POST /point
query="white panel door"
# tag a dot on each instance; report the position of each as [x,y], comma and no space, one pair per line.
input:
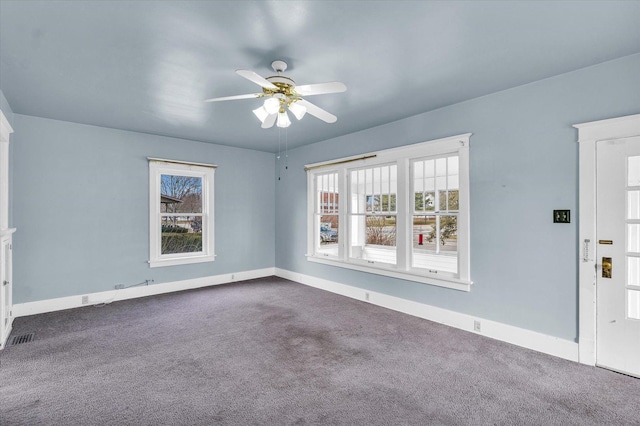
[618,255]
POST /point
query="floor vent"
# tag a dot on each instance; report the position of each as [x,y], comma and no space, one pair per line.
[23,338]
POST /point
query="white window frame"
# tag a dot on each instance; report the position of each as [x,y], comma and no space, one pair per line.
[402,156]
[349,215]
[317,213]
[159,167]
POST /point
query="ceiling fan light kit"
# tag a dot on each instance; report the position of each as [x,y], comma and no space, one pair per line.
[261,113]
[271,105]
[298,110]
[283,119]
[282,94]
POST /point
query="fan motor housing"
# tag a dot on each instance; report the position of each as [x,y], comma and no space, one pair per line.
[285,85]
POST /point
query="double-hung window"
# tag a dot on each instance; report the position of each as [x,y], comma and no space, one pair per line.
[435,209]
[181,212]
[326,218]
[372,214]
[403,212]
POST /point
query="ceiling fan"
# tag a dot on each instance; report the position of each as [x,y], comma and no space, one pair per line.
[283,95]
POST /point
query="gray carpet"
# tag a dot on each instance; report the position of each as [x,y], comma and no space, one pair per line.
[272,352]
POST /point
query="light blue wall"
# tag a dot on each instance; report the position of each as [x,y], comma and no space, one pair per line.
[82,204]
[524,164]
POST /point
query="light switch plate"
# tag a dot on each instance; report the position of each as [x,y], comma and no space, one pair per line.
[562,216]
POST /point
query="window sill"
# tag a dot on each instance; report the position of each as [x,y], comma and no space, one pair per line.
[180,261]
[452,283]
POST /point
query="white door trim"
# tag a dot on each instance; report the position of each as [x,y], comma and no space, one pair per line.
[588,135]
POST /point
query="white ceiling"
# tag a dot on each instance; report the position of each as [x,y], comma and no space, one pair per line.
[146,66]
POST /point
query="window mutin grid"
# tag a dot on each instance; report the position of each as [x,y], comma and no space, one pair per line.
[365,193]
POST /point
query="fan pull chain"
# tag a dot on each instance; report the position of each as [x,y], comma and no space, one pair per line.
[279,151]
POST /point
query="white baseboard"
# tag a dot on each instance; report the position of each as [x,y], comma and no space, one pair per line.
[58,304]
[507,333]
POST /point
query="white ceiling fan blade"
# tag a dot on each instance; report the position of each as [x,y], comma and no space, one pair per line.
[321,88]
[318,112]
[269,121]
[231,98]
[252,76]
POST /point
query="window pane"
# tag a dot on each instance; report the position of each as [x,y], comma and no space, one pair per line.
[633,238]
[633,201]
[452,173]
[423,185]
[452,165]
[385,188]
[328,234]
[374,189]
[429,169]
[181,234]
[633,277]
[327,193]
[418,176]
[633,297]
[418,201]
[443,200]
[329,229]
[449,233]
[372,202]
[381,230]
[435,243]
[441,179]
[377,188]
[453,199]
[429,201]
[634,171]
[424,232]
[354,192]
[180,194]
[393,187]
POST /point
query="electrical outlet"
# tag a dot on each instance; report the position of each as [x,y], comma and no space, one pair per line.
[366,296]
[119,286]
[476,326]
[85,300]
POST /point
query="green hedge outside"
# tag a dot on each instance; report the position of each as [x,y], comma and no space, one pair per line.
[181,242]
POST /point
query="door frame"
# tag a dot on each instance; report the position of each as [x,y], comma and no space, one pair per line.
[5,231]
[588,135]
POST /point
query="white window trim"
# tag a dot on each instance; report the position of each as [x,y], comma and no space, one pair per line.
[402,156]
[5,135]
[158,167]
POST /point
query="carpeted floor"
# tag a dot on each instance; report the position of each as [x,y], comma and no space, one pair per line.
[272,352]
